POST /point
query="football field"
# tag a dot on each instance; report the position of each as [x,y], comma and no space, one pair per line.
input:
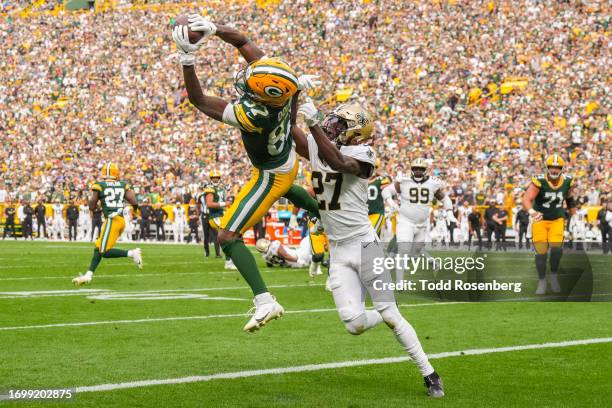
[171,335]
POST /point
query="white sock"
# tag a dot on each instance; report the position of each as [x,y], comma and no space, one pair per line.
[131,253]
[406,335]
[264,298]
[89,274]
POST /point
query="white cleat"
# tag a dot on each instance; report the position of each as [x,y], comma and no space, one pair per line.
[264,312]
[315,269]
[327,285]
[137,257]
[229,265]
[554,283]
[541,287]
[82,280]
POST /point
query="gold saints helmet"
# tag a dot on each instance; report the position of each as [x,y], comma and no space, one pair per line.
[418,169]
[262,245]
[110,170]
[269,81]
[554,166]
[348,124]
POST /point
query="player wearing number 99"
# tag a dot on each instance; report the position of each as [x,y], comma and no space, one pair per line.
[417,193]
[262,114]
[342,163]
[111,192]
[543,200]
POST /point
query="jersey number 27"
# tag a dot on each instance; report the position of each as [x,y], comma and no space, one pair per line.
[113,197]
[319,188]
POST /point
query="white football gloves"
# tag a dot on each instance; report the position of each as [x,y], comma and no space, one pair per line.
[306,82]
[312,116]
[202,24]
[536,215]
[180,35]
[392,206]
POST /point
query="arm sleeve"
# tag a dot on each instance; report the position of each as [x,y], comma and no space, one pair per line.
[229,116]
[389,192]
[237,116]
[313,152]
[447,203]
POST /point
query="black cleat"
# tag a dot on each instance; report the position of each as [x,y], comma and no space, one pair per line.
[433,382]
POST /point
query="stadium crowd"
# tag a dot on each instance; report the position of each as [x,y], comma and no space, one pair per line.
[483,90]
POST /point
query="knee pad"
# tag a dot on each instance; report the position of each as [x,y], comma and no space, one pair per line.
[354,323]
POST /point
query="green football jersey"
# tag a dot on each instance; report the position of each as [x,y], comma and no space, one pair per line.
[549,200]
[266,133]
[219,194]
[112,195]
[376,205]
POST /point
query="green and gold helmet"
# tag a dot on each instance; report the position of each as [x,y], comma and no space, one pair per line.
[269,81]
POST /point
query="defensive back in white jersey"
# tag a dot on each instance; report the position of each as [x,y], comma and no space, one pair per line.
[342,197]
[417,197]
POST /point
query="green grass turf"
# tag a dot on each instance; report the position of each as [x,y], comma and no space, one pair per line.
[90,355]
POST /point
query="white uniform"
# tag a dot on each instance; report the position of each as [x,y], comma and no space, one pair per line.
[353,244]
[578,225]
[464,228]
[179,223]
[129,227]
[58,224]
[84,222]
[440,231]
[416,202]
[302,253]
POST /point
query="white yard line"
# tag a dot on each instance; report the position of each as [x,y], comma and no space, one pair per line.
[138,275]
[326,366]
[175,318]
[87,292]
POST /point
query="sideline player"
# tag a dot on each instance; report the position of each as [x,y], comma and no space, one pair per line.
[215,196]
[262,115]
[543,200]
[110,192]
[340,175]
[376,204]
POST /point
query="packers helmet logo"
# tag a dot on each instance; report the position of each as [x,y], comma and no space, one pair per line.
[273,91]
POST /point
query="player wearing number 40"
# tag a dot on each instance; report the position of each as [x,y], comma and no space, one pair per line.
[543,200]
[111,192]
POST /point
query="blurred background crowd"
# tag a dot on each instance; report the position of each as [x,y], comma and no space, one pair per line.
[482,89]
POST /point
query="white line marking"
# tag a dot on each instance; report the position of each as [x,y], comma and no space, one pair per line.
[175,318]
[85,292]
[158,296]
[326,366]
[129,275]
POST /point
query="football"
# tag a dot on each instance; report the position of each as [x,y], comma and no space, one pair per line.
[194,36]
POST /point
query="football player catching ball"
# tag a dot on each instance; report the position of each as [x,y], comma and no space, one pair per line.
[262,114]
